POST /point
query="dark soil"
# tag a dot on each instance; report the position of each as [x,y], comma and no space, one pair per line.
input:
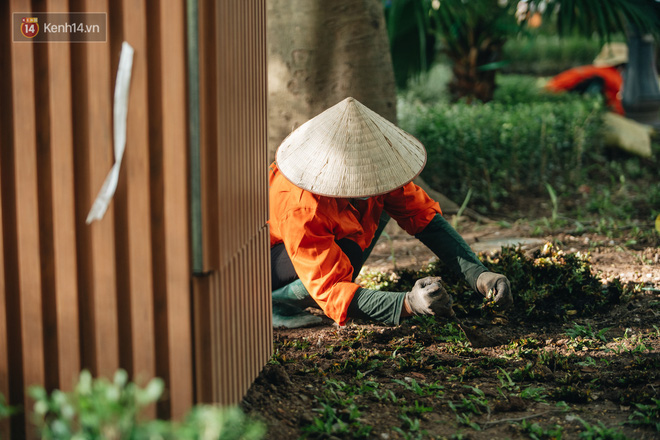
[423,379]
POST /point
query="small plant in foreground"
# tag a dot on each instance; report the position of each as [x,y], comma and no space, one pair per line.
[600,432]
[418,408]
[332,421]
[97,408]
[5,410]
[102,409]
[412,429]
[586,332]
[475,403]
[464,419]
[534,393]
[646,415]
[537,432]
[422,389]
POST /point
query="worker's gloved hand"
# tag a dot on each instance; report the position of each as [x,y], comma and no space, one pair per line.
[495,287]
[429,297]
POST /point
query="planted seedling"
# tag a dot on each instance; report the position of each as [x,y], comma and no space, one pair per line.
[646,415]
[412,428]
[536,431]
[600,431]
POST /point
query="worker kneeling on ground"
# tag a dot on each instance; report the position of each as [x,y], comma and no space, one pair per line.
[335,183]
[603,77]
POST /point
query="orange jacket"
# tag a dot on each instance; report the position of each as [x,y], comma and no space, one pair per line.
[309,224]
[611,76]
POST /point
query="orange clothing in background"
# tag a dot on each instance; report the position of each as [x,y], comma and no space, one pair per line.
[309,224]
[611,76]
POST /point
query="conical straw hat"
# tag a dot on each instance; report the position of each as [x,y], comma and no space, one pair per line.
[612,54]
[350,151]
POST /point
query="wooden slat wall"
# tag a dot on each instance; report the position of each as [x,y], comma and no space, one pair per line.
[117,293]
[232,300]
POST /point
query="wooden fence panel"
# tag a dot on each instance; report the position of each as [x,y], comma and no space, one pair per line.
[234,179]
[57,274]
[117,293]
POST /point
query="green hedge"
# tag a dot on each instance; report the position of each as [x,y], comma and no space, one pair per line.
[549,54]
[504,147]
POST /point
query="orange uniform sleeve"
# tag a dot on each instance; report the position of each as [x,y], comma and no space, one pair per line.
[411,207]
[613,81]
[568,79]
[322,266]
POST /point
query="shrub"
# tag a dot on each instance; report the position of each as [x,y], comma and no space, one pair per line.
[504,147]
[103,409]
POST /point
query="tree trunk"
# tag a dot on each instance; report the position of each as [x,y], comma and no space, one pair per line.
[320,52]
[470,82]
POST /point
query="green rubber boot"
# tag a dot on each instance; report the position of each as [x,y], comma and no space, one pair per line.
[289,304]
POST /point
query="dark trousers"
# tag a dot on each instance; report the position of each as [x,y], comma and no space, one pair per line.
[283,273]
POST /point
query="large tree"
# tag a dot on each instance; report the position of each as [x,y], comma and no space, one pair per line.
[320,52]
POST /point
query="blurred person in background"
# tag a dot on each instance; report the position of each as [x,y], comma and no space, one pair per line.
[604,76]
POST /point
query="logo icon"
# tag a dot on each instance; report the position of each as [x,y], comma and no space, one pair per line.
[30,27]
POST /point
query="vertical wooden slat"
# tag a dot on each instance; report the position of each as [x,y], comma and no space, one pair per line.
[215,347]
[268,335]
[254,317]
[27,263]
[227,321]
[222,340]
[133,200]
[241,283]
[267,330]
[203,292]
[175,205]
[239,175]
[208,131]
[225,244]
[96,244]
[6,246]
[4,352]
[60,220]
[247,191]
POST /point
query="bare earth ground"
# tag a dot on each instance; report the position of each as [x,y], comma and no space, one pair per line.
[371,381]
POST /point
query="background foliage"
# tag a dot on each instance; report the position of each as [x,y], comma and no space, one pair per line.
[515,143]
[527,147]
